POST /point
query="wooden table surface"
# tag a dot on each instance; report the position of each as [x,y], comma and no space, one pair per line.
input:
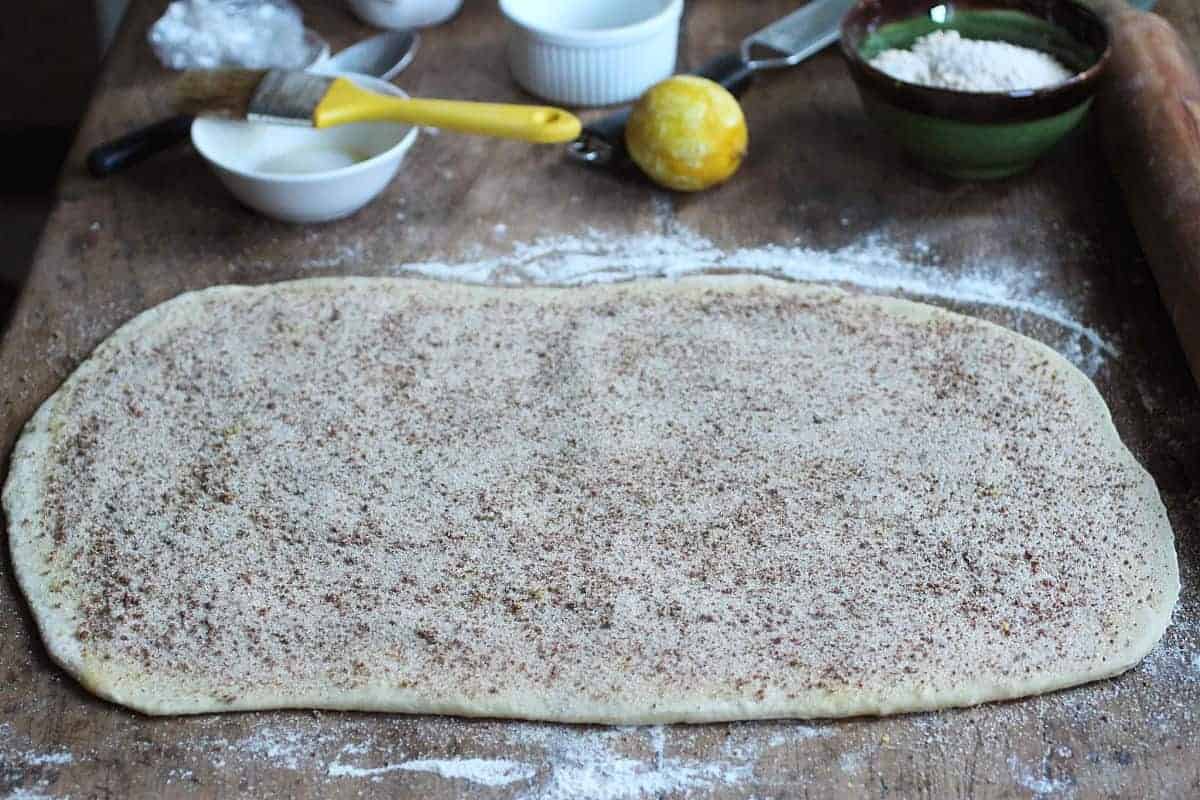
[818,176]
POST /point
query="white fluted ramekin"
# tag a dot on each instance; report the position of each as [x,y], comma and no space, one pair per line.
[592,52]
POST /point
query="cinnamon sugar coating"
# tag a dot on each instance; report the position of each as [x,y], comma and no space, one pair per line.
[718,498]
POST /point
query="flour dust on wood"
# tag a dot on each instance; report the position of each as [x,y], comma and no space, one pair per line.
[1015,289]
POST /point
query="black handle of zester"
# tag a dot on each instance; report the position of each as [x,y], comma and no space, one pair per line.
[602,143]
[728,70]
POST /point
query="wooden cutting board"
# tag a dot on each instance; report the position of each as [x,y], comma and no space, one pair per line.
[819,177]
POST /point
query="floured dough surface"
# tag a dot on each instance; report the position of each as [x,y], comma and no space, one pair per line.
[720,498]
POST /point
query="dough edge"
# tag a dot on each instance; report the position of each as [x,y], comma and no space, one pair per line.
[130,687]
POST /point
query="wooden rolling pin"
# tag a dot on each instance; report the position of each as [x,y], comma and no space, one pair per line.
[1149,113]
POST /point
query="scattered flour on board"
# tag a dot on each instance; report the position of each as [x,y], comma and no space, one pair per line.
[283,746]
[543,761]
[850,761]
[17,749]
[615,763]
[342,256]
[482,771]
[587,765]
[1042,785]
[47,759]
[1173,657]
[29,794]
[17,754]
[874,264]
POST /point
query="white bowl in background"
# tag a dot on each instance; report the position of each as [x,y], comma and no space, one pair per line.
[399,14]
[592,52]
[298,174]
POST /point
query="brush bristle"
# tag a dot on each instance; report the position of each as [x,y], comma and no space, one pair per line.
[220,92]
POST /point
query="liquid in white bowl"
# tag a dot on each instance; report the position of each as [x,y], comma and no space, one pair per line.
[309,160]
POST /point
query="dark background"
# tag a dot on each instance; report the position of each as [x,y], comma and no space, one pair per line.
[50,53]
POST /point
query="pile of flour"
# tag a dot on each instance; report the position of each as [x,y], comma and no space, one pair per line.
[945,60]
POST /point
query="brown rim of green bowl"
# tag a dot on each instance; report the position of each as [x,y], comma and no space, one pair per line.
[1083,24]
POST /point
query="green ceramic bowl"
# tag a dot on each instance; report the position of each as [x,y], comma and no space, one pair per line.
[976,134]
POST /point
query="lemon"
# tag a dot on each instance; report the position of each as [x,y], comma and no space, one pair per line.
[687,133]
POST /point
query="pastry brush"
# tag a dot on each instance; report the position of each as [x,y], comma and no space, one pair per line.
[302,98]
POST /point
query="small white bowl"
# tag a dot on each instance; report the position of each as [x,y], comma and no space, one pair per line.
[298,174]
[592,52]
[399,14]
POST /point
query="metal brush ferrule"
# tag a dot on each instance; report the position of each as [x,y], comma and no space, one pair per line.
[286,97]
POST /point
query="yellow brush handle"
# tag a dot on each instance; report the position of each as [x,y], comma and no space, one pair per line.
[346,102]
